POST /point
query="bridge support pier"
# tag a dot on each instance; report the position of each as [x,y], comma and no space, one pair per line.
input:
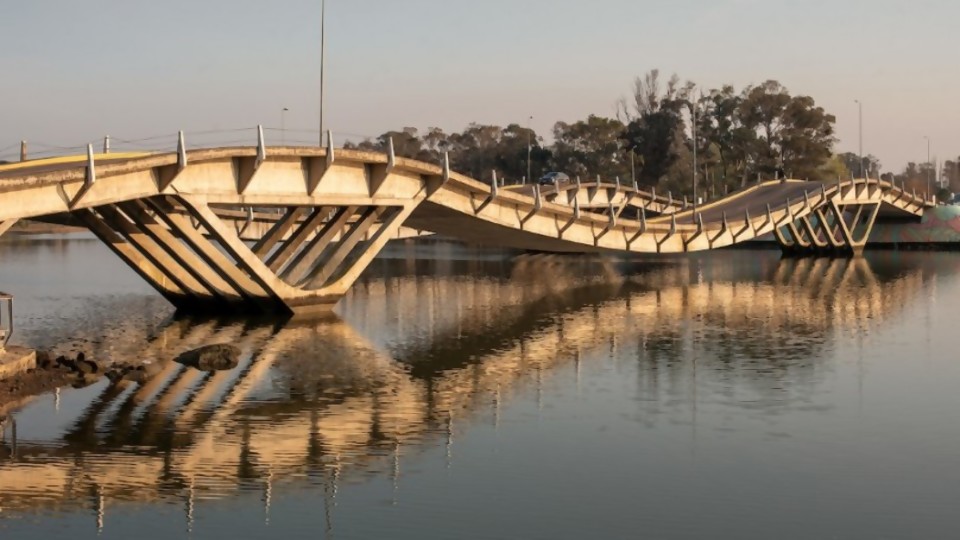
[148,259]
[835,229]
[306,262]
[319,261]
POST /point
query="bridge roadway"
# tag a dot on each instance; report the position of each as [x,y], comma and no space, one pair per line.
[165,215]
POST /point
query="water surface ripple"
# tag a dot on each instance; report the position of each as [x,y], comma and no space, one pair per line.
[477,394]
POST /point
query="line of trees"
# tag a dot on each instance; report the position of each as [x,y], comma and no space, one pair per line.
[761,131]
[914,176]
[918,176]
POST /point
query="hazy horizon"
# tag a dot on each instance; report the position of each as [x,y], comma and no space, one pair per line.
[78,71]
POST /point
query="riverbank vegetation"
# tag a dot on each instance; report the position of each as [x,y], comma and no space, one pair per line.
[739,135]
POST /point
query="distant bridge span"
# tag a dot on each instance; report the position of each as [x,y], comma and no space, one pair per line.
[166,216]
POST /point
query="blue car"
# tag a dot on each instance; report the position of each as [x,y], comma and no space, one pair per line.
[553,178]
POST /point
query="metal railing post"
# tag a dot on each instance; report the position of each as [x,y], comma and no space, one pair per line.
[6,327]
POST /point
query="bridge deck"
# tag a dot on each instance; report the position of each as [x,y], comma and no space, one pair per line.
[753,200]
[168,216]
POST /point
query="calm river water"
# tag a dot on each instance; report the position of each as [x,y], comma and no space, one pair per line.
[464,393]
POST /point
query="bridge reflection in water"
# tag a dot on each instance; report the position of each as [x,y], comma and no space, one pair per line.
[319,404]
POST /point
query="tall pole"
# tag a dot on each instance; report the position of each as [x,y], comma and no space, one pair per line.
[860,119]
[929,183]
[283,126]
[323,59]
[529,150]
[695,104]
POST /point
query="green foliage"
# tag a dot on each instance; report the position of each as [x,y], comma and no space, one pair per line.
[591,147]
[653,138]
[837,167]
[762,131]
[951,174]
[921,178]
[851,161]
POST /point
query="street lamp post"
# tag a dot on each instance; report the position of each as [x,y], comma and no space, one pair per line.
[929,183]
[860,121]
[694,131]
[323,59]
[283,126]
[529,151]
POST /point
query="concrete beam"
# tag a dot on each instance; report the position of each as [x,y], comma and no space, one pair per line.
[329,264]
[309,256]
[276,233]
[390,224]
[138,211]
[257,272]
[146,269]
[113,218]
[256,293]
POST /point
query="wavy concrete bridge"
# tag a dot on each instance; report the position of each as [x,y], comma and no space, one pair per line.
[167,215]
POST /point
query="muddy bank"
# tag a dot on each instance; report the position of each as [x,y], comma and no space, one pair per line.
[80,371]
[50,374]
[15,391]
[62,371]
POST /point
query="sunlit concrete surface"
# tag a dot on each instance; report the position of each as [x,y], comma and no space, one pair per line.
[168,216]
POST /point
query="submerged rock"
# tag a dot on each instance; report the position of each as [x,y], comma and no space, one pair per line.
[44,360]
[218,357]
[83,381]
[139,373]
[88,366]
[68,364]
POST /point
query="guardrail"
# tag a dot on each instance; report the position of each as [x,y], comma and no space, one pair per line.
[6,322]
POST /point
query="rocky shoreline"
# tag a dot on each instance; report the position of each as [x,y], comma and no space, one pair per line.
[79,372]
[50,374]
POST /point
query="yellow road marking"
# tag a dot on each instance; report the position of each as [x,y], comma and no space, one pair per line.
[69,159]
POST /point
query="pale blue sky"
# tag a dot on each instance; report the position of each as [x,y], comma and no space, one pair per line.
[75,70]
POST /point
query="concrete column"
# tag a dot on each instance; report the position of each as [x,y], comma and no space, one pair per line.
[786,244]
[182,254]
[309,256]
[817,239]
[256,272]
[5,225]
[329,265]
[174,271]
[279,231]
[229,271]
[829,230]
[390,224]
[145,268]
[855,243]
[296,240]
